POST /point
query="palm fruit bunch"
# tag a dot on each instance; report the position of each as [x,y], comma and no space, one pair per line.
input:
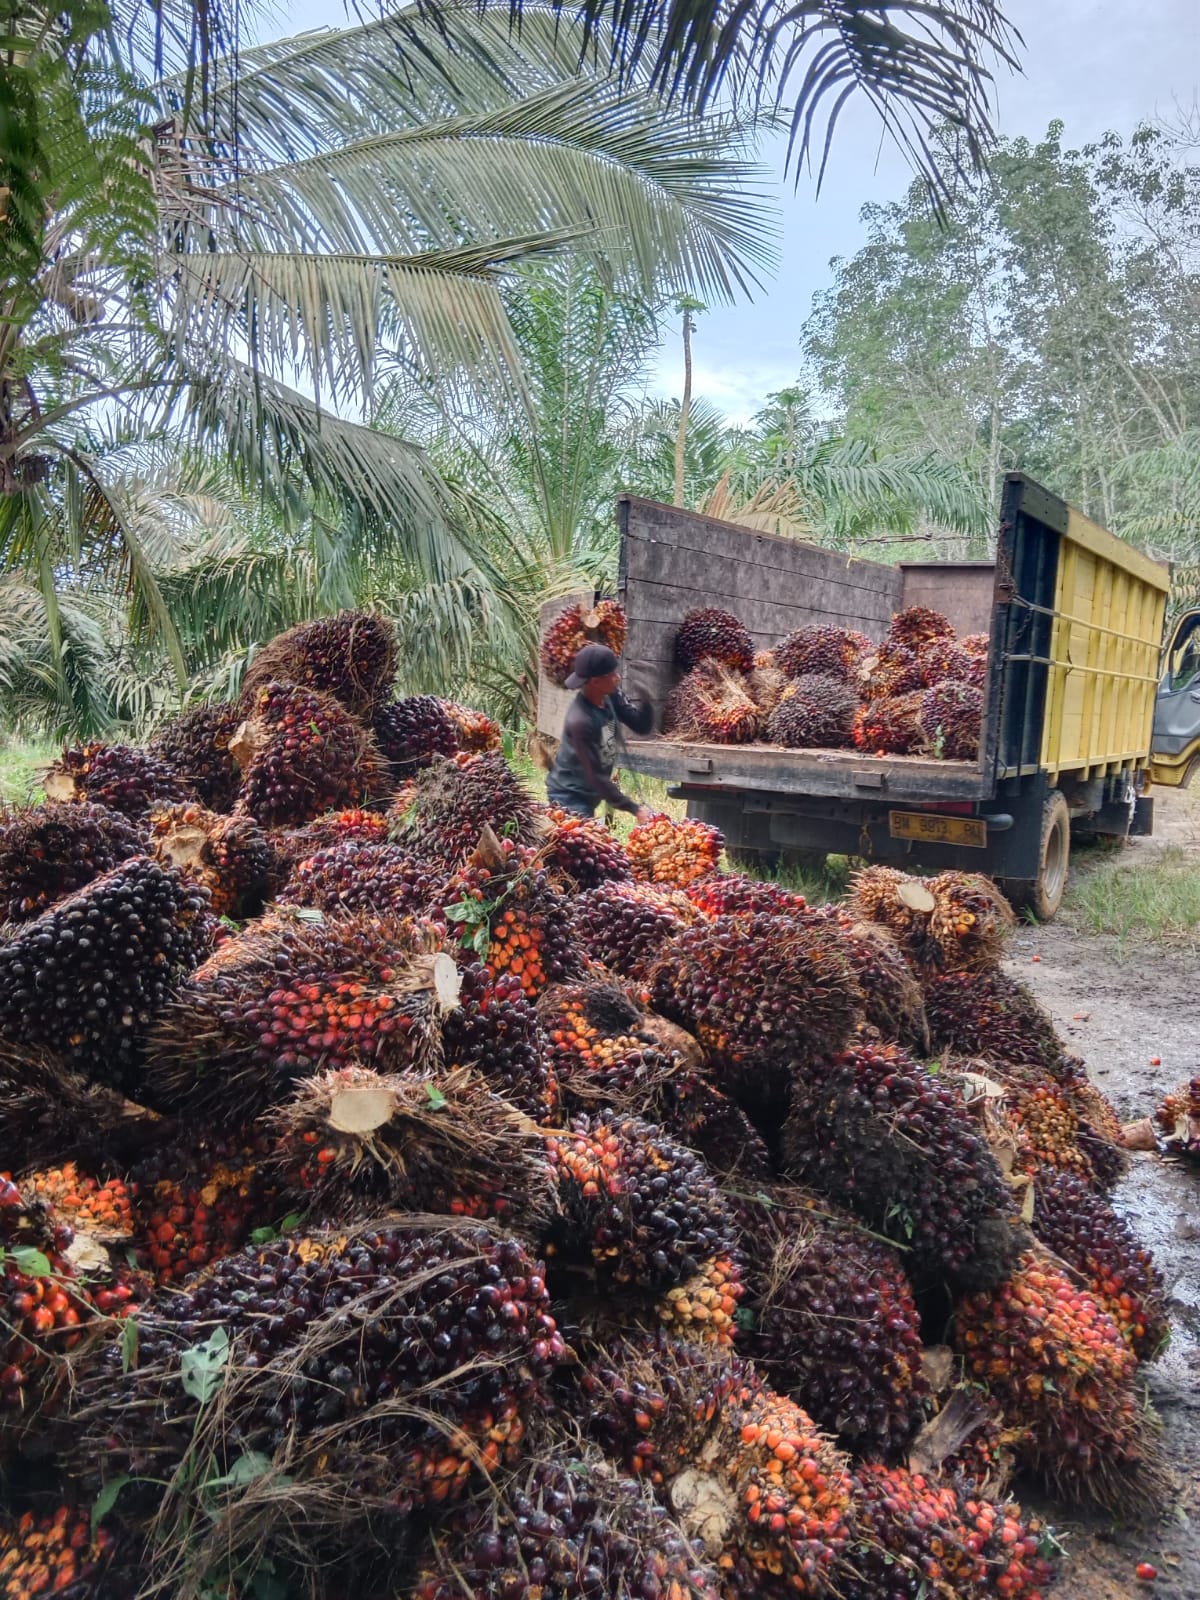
[1063,1123]
[674,853]
[359,1142]
[889,672]
[603,623]
[1060,1370]
[875,1131]
[592,1030]
[707,633]
[900,903]
[293,845]
[643,1210]
[304,754]
[196,746]
[506,910]
[763,994]
[97,1206]
[453,801]
[351,656]
[411,732]
[976,644]
[1083,1229]
[917,626]
[816,711]
[494,1028]
[765,683]
[944,660]
[625,925]
[892,1000]
[477,733]
[120,777]
[733,893]
[229,856]
[889,726]
[830,1320]
[326,1333]
[951,717]
[51,850]
[915,1537]
[712,704]
[1178,1120]
[50,1114]
[87,978]
[992,1017]
[360,876]
[193,1200]
[969,922]
[580,853]
[564,1529]
[55,1552]
[823,651]
[287,998]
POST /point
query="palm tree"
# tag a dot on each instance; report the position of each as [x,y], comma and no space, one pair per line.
[240,278]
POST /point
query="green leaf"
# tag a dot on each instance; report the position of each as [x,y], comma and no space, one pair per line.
[292,1220]
[33,1263]
[481,940]
[246,1469]
[469,911]
[437,1100]
[200,1368]
[129,1344]
[263,1235]
[745,1318]
[107,1499]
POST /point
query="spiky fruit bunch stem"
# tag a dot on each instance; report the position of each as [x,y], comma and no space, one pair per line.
[51,850]
[360,876]
[831,652]
[303,753]
[951,716]
[712,704]
[87,978]
[674,854]
[452,802]
[875,1131]
[624,926]
[889,725]
[580,853]
[196,746]
[708,633]
[230,857]
[120,777]
[411,732]
[814,712]
[577,625]
[351,656]
[918,626]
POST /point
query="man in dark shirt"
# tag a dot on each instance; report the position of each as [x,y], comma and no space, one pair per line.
[582,772]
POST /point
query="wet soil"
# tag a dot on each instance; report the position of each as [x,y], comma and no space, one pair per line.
[1118,1008]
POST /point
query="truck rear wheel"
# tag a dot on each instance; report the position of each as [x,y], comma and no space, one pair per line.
[1044,894]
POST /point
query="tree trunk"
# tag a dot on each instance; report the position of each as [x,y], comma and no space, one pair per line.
[685,406]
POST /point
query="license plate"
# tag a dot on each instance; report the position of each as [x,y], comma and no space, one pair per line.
[938,829]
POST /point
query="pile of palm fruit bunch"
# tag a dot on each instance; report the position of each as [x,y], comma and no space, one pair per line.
[918,691]
[410,1188]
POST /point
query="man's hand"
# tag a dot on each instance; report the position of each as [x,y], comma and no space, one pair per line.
[644,814]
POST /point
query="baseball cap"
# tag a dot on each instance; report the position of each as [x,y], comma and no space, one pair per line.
[593,661]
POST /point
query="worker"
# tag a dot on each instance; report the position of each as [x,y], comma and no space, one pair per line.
[582,772]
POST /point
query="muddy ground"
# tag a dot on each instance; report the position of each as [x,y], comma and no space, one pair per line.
[1119,1008]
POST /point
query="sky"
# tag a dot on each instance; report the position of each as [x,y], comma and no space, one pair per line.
[1095,64]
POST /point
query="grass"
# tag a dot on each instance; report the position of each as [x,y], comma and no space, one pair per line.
[20,764]
[1155,899]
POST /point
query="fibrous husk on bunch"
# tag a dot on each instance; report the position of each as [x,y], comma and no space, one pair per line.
[625,925]
[121,777]
[357,1142]
[827,651]
[604,623]
[917,626]
[350,656]
[970,921]
[708,633]
[302,753]
[765,683]
[196,745]
[579,852]
[889,725]
[712,704]
[452,802]
[51,850]
[951,715]
[815,711]
[674,854]
[411,732]
[229,856]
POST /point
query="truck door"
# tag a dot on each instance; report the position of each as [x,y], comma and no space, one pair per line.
[1175,743]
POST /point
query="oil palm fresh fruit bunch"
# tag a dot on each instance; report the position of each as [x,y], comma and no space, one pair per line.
[831,652]
[915,1537]
[815,711]
[477,732]
[350,656]
[1080,1226]
[892,1000]
[101,1207]
[733,893]
[1177,1119]
[504,908]
[579,852]
[564,1526]
[1061,1122]
[970,920]
[411,732]
[708,633]
[230,857]
[917,626]
[64,1551]
[452,802]
[195,744]
[287,998]
[830,1320]
[943,660]
[992,1017]
[603,623]
[51,850]
[351,824]
[765,683]
[120,777]
[712,704]
[494,1029]
[51,1114]
[674,854]
[87,978]
[951,717]
[900,903]
[362,876]
[1060,1370]
[889,725]
[359,1143]
[302,754]
[888,672]
[625,925]
[875,1131]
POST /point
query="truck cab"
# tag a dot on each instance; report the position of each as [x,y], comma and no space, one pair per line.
[1175,741]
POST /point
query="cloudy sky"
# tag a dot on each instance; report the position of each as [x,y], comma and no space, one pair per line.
[1096,64]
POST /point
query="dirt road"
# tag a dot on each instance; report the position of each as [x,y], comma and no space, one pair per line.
[1118,1010]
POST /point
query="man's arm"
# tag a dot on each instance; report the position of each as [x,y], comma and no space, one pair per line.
[586,745]
[639,718]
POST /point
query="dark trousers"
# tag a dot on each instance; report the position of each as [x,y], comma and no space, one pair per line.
[577,804]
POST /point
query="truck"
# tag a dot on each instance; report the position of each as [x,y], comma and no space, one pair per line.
[1083,709]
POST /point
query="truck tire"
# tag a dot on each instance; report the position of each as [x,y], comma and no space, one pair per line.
[1043,895]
